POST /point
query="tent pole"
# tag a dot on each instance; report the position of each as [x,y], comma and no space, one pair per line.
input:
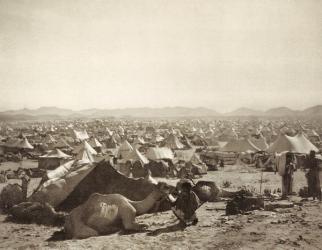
[261,181]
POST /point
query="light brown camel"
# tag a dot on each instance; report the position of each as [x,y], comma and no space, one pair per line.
[103,214]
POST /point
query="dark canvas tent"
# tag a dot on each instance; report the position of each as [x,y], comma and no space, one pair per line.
[66,191]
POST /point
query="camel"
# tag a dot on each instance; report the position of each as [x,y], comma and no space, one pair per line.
[107,213]
[13,194]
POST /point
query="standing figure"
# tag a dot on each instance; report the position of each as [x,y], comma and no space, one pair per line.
[25,179]
[313,178]
[287,178]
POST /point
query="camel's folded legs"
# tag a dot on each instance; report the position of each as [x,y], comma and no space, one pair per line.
[75,227]
[130,224]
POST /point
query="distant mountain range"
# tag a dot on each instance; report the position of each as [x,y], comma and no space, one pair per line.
[52,113]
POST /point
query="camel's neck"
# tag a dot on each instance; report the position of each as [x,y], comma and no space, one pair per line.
[145,205]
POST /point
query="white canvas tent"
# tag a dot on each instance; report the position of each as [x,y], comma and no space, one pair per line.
[295,144]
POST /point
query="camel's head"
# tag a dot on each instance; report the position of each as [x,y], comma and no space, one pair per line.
[149,179]
[163,189]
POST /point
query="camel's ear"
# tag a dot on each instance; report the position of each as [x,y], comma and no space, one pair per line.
[148,173]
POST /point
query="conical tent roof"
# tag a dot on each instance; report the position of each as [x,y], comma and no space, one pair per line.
[124,150]
[296,144]
[25,144]
[259,143]
[159,153]
[85,145]
[56,153]
[185,155]
[49,139]
[305,143]
[173,142]
[61,143]
[242,145]
[84,156]
[136,155]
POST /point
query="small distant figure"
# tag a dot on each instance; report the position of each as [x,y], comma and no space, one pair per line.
[287,178]
[186,205]
[25,179]
[221,163]
[313,178]
[3,177]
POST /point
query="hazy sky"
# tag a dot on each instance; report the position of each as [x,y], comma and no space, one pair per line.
[221,54]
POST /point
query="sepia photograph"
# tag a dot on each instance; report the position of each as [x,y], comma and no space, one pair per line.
[161,124]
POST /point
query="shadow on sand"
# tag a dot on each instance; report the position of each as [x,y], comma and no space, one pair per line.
[57,236]
[60,235]
[172,228]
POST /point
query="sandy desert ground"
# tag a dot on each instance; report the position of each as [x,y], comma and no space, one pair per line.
[290,228]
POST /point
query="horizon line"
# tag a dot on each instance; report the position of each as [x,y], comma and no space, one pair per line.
[160,107]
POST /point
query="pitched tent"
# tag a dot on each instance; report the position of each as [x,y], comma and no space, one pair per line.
[297,144]
[306,143]
[259,143]
[135,155]
[159,153]
[53,159]
[188,156]
[56,153]
[241,145]
[95,144]
[80,135]
[18,144]
[198,140]
[61,143]
[111,142]
[49,139]
[72,186]
[172,142]
[84,156]
[24,144]
[124,150]
[85,146]
[187,142]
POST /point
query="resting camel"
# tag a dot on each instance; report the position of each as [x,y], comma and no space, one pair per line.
[13,194]
[103,214]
